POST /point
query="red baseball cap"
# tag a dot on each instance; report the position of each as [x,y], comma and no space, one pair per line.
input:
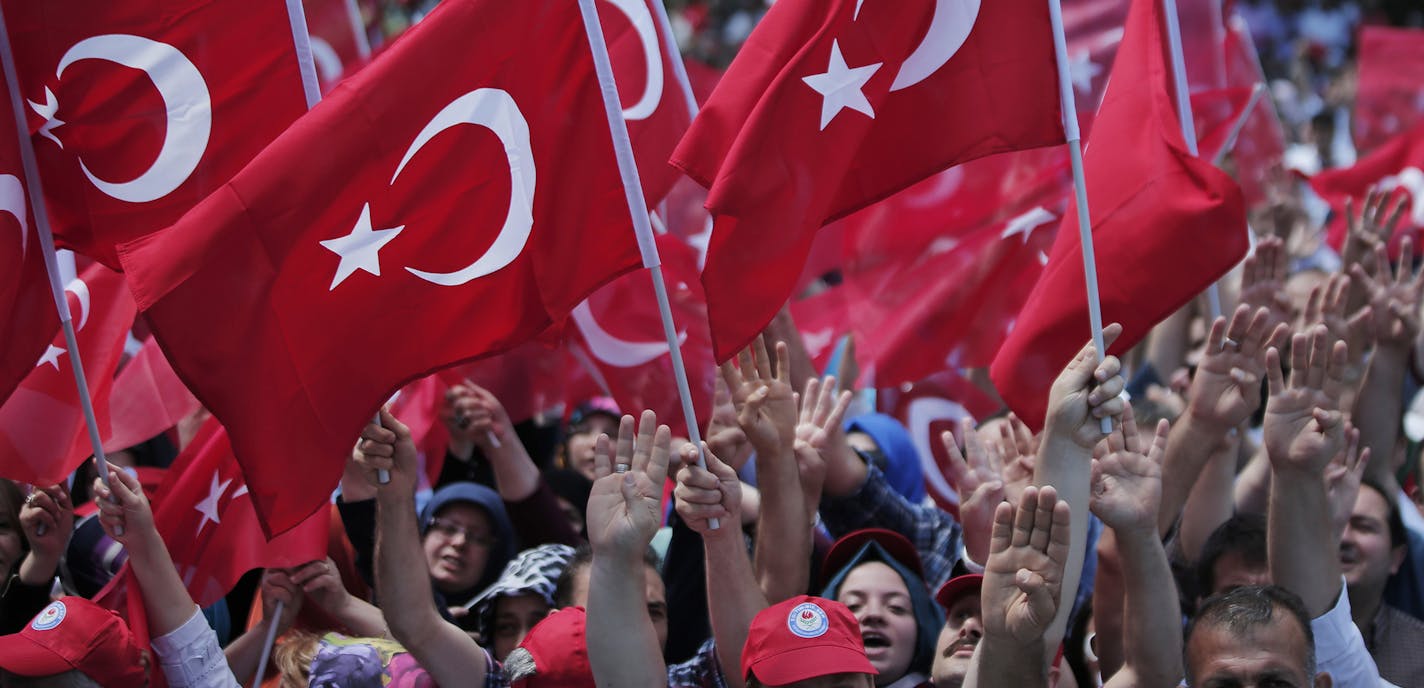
[957,587]
[804,637]
[894,544]
[559,647]
[73,633]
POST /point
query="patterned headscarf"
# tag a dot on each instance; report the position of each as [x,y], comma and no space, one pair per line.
[533,571]
[365,663]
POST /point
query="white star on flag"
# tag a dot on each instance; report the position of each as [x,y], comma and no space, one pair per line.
[47,110]
[51,356]
[816,342]
[1083,71]
[1412,180]
[1024,224]
[359,249]
[209,506]
[840,86]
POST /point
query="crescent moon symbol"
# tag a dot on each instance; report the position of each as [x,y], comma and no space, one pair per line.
[81,292]
[918,415]
[186,102]
[642,18]
[328,63]
[495,110]
[12,200]
[616,352]
[949,28]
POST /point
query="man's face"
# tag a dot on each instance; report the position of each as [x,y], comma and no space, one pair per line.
[584,439]
[1231,571]
[654,591]
[1271,656]
[457,546]
[1366,557]
[878,598]
[963,627]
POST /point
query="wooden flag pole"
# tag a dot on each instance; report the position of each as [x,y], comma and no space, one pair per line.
[638,209]
[35,191]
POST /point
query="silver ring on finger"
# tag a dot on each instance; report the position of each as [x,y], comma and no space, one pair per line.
[1229,344]
[620,468]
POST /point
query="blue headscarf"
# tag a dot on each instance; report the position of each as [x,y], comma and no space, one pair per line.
[902,461]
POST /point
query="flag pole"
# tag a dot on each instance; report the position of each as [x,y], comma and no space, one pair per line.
[267,643]
[35,191]
[638,209]
[1069,105]
[679,69]
[1235,132]
[1184,113]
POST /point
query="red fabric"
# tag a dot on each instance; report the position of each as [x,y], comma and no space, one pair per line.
[620,332]
[27,312]
[148,399]
[823,320]
[320,348]
[1396,165]
[653,101]
[930,407]
[1256,158]
[1216,112]
[1390,97]
[1165,225]
[780,159]
[115,121]
[42,432]
[338,40]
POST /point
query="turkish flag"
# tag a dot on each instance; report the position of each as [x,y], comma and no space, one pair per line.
[1165,226]
[1390,96]
[439,206]
[823,320]
[930,407]
[42,432]
[1397,164]
[1256,158]
[619,332]
[140,109]
[653,102]
[205,515]
[27,312]
[338,40]
[147,399]
[830,107]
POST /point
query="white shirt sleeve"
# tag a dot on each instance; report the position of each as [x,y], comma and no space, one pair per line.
[191,658]
[1340,649]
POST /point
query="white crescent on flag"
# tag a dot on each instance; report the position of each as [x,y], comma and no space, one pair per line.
[918,416]
[949,28]
[186,101]
[619,353]
[12,200]
[642,18]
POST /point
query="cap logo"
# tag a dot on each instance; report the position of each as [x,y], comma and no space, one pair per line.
[49,618]
[808,620]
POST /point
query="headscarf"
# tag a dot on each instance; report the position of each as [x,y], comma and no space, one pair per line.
[489,501]
[902,461]
[928,617]
[535,571]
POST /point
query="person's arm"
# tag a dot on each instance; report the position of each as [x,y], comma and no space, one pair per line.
[402,583]
[515,475]
[733,596]
[1210,502]
[187,649]
[1023,585]
[1127,486]
[1366,231]
[1084,393]
[1224,393]
[766,410]
[47,518]
[245,653]
[1394,300]
[624,511]
[320,583]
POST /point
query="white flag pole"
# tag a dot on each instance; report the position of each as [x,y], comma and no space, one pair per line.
[267,643]
[679,69]
[358,29]
[1184,112]
[35,191]
[1069,105]
[638,209]
[1230,143]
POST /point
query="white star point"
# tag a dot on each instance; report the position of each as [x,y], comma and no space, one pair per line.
[47,110]
[360,249]
[841,86]
[1083,70]
[209,506]
[51,356]
[1023,225]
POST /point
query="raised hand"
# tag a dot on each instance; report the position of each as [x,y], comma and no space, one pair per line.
[624,508]
[1343,477]
[321,583]
[1024,573]
[703,494]
[1127,481]
[1371,227]
[724,435]
[976,476]
[819,435]
[387,447]
[124,512]
[765,400]
[277,586]
[1394,297]
[1017,455]
[1263,280]
[1326,306]
[1086,392]
[1227,387]
[457,411]
[1304,427]
[47,518]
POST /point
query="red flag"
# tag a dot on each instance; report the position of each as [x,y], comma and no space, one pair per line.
[42,432]
[27,313]
[141,109]
[338,40]
[147,399]
[1396,164]
[1165,225]
[1256,157]
[342,301]
[1390,96]
[927,409]
[653,102]
[823,319]
[621,334]
[828,109]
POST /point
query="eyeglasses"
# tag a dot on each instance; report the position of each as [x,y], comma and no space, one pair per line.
[449,529]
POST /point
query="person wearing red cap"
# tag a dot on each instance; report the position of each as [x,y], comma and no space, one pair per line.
[553,655]
[807,642]
[78,640]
